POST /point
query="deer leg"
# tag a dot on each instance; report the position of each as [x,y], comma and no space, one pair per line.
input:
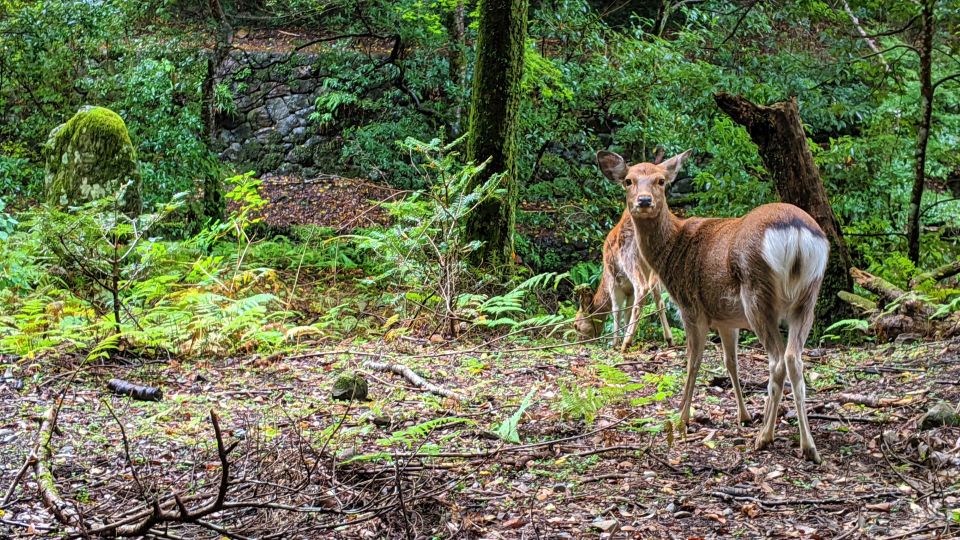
[696,338]
[768,331]
[616,301]
[728,336]
[634,302]
[655,291]
[799,330]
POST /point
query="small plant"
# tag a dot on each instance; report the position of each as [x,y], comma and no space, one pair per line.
[848,330]
[507,430]
[425,251]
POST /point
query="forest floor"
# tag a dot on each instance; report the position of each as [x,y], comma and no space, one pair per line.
[408,463]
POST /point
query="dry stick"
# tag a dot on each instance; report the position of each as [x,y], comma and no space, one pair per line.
[158,515]
[27,463]
[796,502]
[866,37]
[126,450]
[415,379]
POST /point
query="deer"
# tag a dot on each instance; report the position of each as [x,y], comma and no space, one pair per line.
[624,282]
[750,272]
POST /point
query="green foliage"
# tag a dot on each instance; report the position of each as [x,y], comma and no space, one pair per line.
[415,436]
[513,309]
[606,385]
[74,278]
[7,222]
[848,330]
[425,250]
[507,430]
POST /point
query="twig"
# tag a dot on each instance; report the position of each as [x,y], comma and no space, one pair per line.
[415,379]
[126,450]
[16,479]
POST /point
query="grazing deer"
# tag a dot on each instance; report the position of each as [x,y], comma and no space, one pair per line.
[625,281]
[748,272]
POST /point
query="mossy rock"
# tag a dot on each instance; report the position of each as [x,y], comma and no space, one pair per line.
[91,157]
[941,414]
[350,386]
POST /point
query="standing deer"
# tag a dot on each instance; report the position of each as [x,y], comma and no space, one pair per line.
[748,272]
[625,281]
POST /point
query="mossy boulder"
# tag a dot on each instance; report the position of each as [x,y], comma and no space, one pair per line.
[350,386]
[941,414]
[91,157]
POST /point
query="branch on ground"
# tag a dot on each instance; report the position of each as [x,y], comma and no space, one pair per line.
[414,379]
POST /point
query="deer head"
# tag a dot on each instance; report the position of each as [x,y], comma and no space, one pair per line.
[588,322]
[645,183]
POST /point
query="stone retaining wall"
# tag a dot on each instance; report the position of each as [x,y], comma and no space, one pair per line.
[269,129]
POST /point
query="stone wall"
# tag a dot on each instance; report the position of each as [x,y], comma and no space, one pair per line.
[269,129]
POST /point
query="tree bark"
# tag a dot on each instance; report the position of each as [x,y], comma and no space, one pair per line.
[778,133]
[457,62]
[494,112]
[213,201]
[923,131]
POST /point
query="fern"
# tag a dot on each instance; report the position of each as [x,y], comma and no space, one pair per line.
[508,429]
[415,434]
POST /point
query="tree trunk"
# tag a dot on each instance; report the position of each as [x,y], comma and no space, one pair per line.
[778,133]
[923,131]
[457,62]
[213,201]
[494,111]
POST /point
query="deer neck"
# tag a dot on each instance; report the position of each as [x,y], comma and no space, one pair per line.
[657,237]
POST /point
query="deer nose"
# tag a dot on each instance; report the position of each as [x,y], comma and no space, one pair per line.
[644,201]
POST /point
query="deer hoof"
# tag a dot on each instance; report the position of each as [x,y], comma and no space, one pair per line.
[811,454]
[763,441]
[745,418]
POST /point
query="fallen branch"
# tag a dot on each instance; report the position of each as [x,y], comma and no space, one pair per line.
[42,456]
[910,303]
[799,502]
[135,391]
[862,304]
[871,401]
[414,379]
[941,272]
[853,419]
[183,514]
[877,285]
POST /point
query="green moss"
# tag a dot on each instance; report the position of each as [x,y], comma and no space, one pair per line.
[91,157]
[270,162]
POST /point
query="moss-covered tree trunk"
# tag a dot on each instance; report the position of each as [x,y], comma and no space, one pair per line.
[778,133]
[494,112]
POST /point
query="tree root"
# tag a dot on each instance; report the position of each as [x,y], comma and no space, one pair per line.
[414,379]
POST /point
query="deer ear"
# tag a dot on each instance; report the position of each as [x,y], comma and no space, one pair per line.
[674,164]
[612,165]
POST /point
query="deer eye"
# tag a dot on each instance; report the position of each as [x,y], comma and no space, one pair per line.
[660,182]
[627,182]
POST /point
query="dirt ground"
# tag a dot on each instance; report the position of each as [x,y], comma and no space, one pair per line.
[408,463]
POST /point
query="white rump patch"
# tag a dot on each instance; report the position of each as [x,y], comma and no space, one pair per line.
[785,248]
